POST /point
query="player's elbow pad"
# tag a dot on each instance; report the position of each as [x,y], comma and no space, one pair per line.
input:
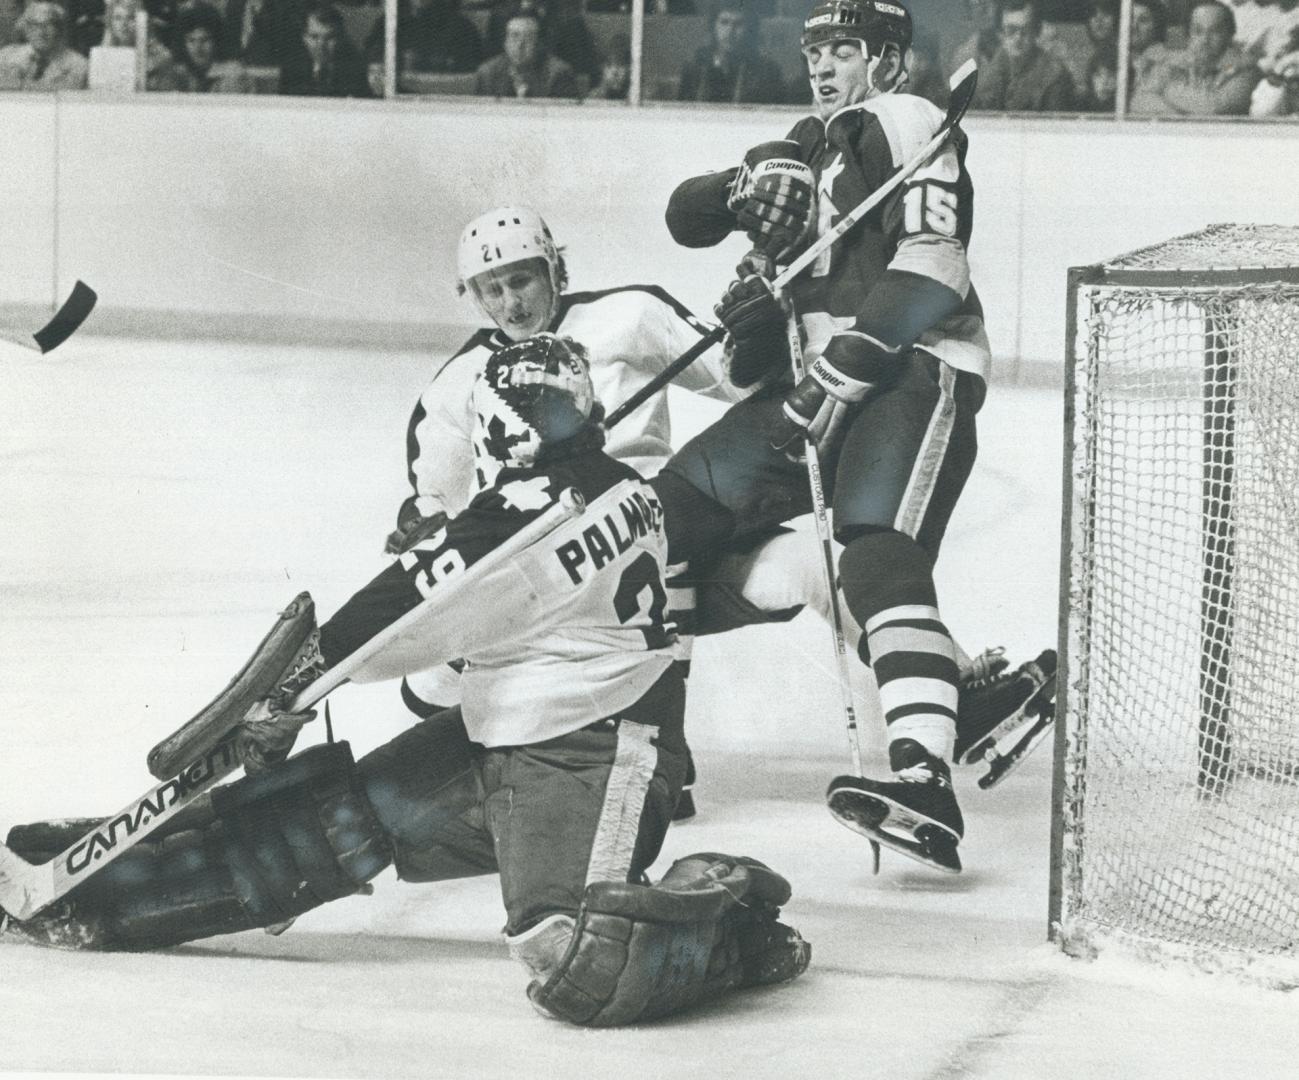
[696,215]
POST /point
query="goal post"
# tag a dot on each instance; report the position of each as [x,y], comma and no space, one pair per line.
[1175,808]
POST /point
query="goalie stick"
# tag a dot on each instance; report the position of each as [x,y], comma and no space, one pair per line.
[27,888]
[962,86]
[72,313]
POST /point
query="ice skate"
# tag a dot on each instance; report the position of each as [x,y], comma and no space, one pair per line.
[1003,715]
[685,808]
[914,813]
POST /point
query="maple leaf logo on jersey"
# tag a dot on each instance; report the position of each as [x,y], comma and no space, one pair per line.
[497,440]
[531,494]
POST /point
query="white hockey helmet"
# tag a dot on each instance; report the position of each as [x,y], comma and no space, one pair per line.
[503,237]
[531,393]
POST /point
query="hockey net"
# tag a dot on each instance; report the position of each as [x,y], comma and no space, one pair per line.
[1177,766]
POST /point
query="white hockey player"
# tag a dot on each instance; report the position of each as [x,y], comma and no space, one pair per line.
[559,771]
[509,263]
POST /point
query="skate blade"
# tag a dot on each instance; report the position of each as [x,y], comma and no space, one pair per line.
[926,841]
[1002,765]
[1034,706]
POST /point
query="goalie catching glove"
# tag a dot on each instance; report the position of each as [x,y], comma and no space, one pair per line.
[852,365]
[772,198]
[755,322]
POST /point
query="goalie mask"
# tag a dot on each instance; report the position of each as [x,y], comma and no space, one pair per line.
[509,262]
[531,395]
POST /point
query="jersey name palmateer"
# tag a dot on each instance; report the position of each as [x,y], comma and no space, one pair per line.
[603,541]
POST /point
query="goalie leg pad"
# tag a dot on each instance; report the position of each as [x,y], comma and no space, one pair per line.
[639,952]
[283,841]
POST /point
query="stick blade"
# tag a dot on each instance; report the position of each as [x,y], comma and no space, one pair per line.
[24,888]
[962,85]
[71,315]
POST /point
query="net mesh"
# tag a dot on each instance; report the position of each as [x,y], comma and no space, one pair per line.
[1181,768]
[1230,247]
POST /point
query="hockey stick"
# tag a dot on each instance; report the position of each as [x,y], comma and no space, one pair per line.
[812,458]
[72,314]
[27,888]
[962,93]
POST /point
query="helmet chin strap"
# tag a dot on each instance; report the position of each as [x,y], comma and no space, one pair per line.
[872,65]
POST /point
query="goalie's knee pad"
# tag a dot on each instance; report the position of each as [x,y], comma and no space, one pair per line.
[637,952]
[282,842]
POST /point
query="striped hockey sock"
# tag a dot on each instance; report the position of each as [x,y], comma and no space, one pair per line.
[914,660]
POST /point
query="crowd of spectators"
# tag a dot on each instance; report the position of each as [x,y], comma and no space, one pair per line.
[1185,57]
[1198,58]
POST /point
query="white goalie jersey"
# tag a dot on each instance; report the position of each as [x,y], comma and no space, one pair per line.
[630,334]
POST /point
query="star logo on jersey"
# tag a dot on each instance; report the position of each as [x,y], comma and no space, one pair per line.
[828,174]
[531,494]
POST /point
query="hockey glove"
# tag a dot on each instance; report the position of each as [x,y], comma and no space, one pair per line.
[267,734]
[772,197]
[411,530]
[818,408]
[755,321]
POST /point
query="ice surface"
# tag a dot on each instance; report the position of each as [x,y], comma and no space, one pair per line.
[161,501]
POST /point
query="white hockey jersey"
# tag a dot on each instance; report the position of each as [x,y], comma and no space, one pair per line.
[631,334]
[567,632]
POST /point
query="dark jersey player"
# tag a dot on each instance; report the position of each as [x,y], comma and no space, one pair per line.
[897,357]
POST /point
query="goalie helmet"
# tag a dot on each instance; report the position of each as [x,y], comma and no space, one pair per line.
[531,394]
[875,23]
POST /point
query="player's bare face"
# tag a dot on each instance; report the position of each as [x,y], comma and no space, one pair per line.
[517,298]
[840,73]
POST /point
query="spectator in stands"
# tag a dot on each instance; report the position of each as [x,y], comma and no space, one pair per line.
[925,70]
[563,29]
[327,64]
[1269,39]
[119,33]
[656,7]
[1021,77]
[984,18]
[432,35]
[1103,31]
[1100,94]
[730,67]
[1210,77]
[525,68]
[193,68]
[615,75]
[44,61]
[1259,19]
[1278,93]
[1149,30]
[263,33]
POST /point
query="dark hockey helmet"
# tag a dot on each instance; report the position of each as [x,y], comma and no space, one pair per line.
[531,394]
[875,22]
